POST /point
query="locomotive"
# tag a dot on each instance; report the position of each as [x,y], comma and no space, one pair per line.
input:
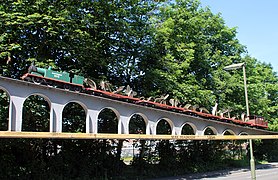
[54,78]
[73,82]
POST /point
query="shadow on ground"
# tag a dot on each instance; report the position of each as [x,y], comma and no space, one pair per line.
[215,174]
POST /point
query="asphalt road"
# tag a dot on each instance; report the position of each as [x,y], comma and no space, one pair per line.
[263,172]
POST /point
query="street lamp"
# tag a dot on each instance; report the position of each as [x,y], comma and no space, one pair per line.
[238,66]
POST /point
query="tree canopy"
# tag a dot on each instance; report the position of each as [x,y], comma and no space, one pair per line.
[156,47]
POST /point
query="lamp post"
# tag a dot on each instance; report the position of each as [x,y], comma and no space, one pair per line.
[238,66]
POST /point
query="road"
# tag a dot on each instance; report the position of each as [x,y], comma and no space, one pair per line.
[263,172]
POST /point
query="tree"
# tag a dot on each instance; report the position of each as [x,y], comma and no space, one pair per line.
[4,110]
[158,47]
[192,45]
[97,39]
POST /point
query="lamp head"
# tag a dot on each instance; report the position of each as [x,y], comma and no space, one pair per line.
[234,66]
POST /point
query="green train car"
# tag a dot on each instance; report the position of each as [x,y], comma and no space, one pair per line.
[54,78]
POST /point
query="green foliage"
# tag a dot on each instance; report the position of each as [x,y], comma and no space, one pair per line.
[163,127]
[104,39]
[107,121]
[4,110]
[74,118]
[56,159]
[193,44]
[36,114]
[137,125]
[187,130]
[266,150]
[157,47]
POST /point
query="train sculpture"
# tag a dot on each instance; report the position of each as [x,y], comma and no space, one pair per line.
[73,82]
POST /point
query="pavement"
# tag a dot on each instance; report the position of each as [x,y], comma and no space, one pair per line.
[218,173]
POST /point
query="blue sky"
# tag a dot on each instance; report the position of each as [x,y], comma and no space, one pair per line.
[256,22]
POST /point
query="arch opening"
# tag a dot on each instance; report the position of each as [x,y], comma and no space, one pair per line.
[137,124]
[107,121]
[74,118]
[4,110]
[163,127]
[187,129]
[36,114]
[210,131]
[229,132]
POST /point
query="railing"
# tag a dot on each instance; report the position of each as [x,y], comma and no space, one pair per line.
[48,135]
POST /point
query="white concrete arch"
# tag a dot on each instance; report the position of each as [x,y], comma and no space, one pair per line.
[5,90]
[193,126]
[214,130]
[229,131]
[243,133]
[146,121]
[46,98]
[113,109]
[169,121]
[83,105]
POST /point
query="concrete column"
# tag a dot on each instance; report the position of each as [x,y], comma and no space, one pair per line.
[152,127]
[123,126]
[56,113]
[15,113]
[199,132]
[176,131]
[91,121]
[148,130]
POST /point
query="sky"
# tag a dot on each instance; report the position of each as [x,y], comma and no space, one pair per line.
[256,22]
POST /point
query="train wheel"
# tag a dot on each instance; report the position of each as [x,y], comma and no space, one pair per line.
[50,83]
[37,80]
[67,87]
[77,89]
